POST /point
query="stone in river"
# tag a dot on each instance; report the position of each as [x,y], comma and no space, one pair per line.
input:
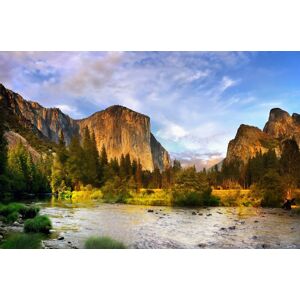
[150,210]
[232,227]
[194,213]
[61,238]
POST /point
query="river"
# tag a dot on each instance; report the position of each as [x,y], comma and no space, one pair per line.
[166,227]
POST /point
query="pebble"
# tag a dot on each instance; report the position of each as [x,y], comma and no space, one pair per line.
[209,215]
[254,237]
[256,221]
[193,213]
[222,228]
[150,210]
[232,227]
[200,214]
[201,245]
[61,238]
[219,213]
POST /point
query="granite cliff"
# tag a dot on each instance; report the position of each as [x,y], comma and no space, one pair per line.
[250,140]
[120,129]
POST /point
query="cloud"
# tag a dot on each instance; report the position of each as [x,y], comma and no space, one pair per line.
[69,110]
[186,94]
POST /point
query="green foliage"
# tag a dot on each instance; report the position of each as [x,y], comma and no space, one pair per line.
[11,212]
[22,241]
[271,190]
[59,178]
[39,224]
[103,243]
[8,209]
[29,212]
[115,190]
[25,175]
[192,189]
[12,217]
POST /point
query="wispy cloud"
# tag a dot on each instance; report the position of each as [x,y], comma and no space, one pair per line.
[196,100]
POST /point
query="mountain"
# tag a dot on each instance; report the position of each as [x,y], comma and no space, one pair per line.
[118,128]
[250,140]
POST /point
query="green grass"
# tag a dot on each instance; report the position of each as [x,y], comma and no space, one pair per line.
[29,212]
[103,243]
[22,241]
[153,197]
[6,210]
[11,212]
[39,224]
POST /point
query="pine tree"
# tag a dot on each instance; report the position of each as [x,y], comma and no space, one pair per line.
[91,162]
[103,157]
[75,162]
[138,176]
[59,176]
[123,172]
[289,165]
[128,166]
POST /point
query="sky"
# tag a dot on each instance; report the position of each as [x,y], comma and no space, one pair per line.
[196,100]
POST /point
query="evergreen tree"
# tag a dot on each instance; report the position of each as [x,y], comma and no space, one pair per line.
[91,162]
[138,176]
[289,164]
[75,162]
[156,181]
[114,165]
[59,176]
[128,166]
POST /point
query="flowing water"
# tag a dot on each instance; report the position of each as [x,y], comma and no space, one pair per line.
[166,227]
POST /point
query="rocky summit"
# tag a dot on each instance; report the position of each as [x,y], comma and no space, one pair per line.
[120,129]
[250,140]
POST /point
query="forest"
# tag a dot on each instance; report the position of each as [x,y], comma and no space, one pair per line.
[79,167]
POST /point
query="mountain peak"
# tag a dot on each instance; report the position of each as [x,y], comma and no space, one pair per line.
[278,114]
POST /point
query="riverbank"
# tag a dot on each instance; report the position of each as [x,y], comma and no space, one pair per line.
[164,197]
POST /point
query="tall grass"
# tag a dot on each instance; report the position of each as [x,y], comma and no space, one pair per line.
[22,241]
[39,224]
[11,212]
[104,242]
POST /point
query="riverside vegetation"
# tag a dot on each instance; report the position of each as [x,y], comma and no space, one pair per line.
[78,171]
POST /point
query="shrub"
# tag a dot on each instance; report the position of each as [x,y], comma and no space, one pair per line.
[270,189]
[65,195]
[212,201]
[6,210]
[103,243]
[12,217]
[40,224]
[29,212]
[22,241]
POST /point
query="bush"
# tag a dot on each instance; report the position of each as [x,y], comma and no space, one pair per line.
[270,189]
[29,212]
[6,210]
[103,243]
[40,224]
[65,195]
[12,217]
[194,199]
[22,241]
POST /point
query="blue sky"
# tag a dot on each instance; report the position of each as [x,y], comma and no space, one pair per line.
[196,100]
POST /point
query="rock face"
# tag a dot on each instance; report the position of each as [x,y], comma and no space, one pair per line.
[120,129]
[249,140]
[283,126]
[46,122]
